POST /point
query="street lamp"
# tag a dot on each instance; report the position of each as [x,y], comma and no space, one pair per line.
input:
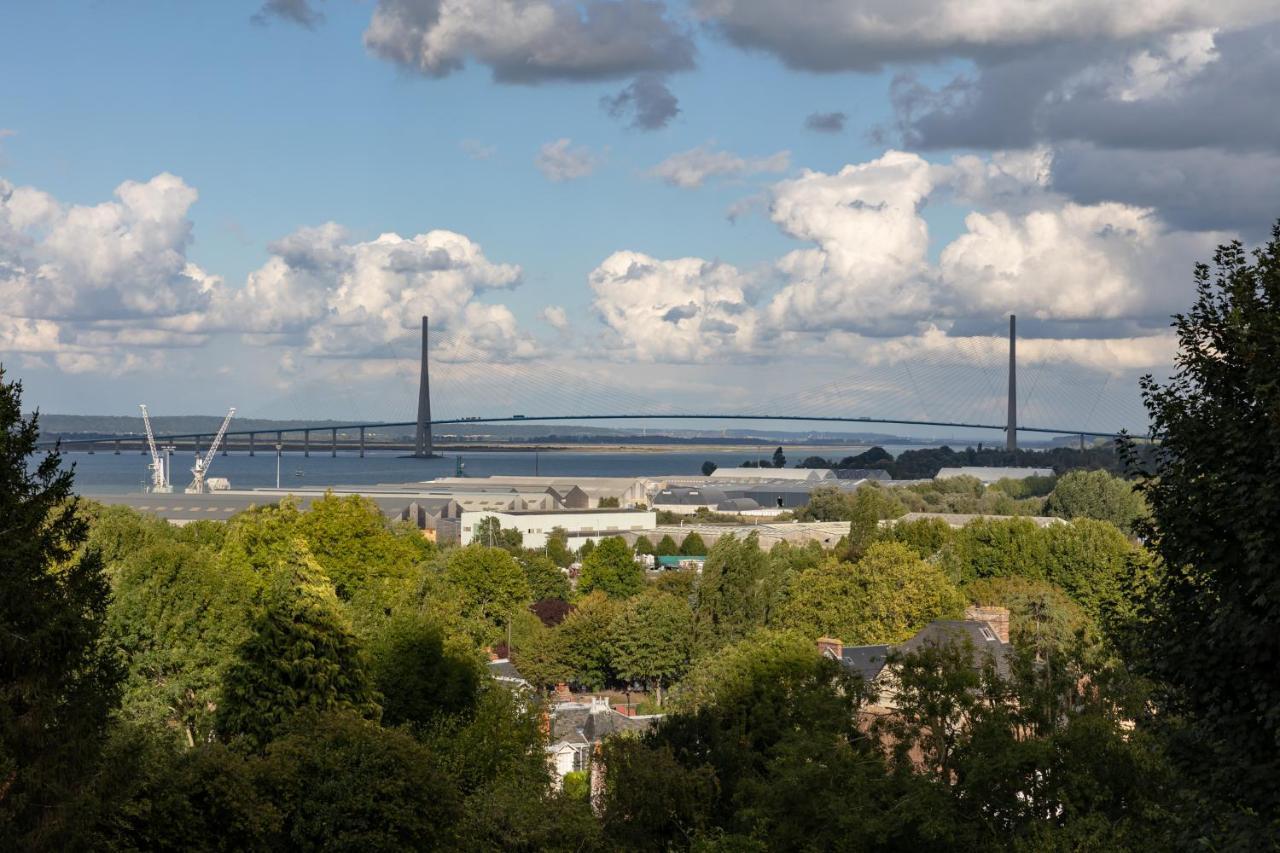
[279,450]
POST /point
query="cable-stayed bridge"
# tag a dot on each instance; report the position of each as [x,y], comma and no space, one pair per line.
[974,386]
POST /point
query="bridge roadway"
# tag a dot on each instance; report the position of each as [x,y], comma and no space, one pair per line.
[334,430]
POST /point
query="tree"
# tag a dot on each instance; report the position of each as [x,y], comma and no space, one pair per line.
[1211,627]
[987,548]
[58,682]
[558,547]
[349,539]
[643,545]
[738,591]
[586,548]
[693,546]
[179,616]
[709,468]
[344,782]
[544,577]
[492,583]
[419,674]
[1098,495]
[489,532]
[1041,615]
[885,597]
[612,569]
[610,502]
[580,637]
[300,656]
[650,639]
[779,459]
[1092,561]
[666,546]
[925,536]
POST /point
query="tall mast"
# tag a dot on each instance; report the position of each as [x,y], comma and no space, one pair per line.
[1011,430]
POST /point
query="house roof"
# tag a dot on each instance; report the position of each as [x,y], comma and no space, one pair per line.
[979,634]
[583,723]
[867,661]
[990,474]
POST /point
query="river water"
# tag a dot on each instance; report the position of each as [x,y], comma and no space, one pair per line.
[104,473]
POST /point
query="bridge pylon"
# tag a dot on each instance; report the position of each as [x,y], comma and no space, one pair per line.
[1011,429]
[422,443]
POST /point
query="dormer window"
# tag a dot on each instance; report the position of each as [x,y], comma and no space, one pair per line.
[987,634]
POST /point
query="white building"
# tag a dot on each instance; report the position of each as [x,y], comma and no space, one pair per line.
[577,492]
[581,524]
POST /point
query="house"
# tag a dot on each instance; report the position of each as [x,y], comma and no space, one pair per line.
[986,629]
[504,672]
[576,730]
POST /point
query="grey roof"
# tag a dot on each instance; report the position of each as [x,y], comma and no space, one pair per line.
[984,640]
[505,670]
[737,504]
[867,661]
[576,722]
[991,474]
[689,496]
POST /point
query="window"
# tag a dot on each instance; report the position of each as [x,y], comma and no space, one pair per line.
[987,635]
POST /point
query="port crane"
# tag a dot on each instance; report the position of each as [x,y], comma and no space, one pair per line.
[200,472]
[159,470]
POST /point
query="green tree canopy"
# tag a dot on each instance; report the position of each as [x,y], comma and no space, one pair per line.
[709,468]
[1211,632]
[612,569]
[1097,495]
[58,681]
[349,538]
[300,656]
[737,592]
[650,639]
[342,782]
[580,646]
[925,536]
[666,546]
[693,546]
[1092,561]
[885,597]
[1040,613]
[492,583]
[558,547]
[489,532]
[544,577]
[992,548]
[643,545]
[178,616]
[420,674]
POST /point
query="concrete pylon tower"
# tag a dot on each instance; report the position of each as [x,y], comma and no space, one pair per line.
[1011,430]
[422,448]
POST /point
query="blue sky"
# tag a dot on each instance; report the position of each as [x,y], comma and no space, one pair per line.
[278,126]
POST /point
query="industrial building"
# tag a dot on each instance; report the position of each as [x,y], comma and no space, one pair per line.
[580,525]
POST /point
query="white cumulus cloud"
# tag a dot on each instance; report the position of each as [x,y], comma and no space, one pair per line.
[681,310]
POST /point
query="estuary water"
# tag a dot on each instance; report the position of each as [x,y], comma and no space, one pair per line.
[104,473]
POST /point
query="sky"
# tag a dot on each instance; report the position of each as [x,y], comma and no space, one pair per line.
[769,206]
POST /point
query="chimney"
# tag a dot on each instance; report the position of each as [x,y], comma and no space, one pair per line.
[995,617]
[830,648]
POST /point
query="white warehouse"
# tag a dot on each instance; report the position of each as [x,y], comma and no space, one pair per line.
[581,525]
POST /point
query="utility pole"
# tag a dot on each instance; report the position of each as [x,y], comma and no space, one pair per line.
[1011,430]
[279,453]
[422,448]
